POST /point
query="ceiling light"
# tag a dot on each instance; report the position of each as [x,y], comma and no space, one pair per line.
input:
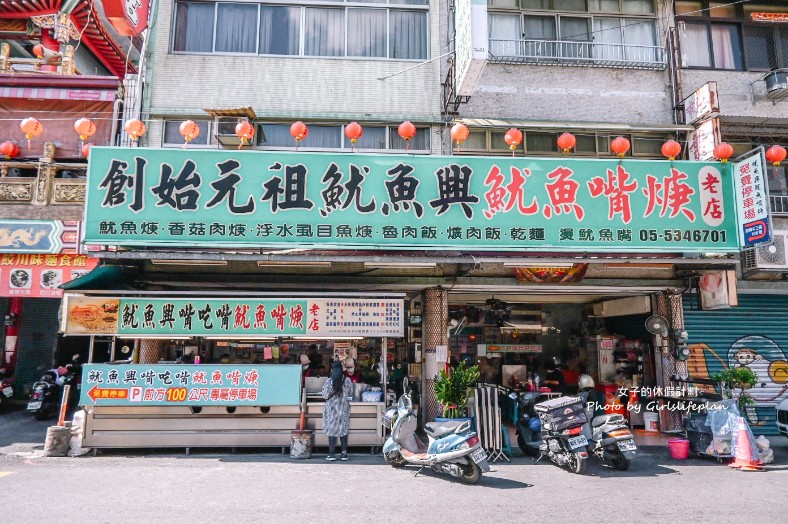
[187,262]
[399,265]
[288,263]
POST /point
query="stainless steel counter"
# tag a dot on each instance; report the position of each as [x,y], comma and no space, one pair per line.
[218,426]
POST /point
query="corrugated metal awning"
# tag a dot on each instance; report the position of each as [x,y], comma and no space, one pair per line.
[573,126]
[238,112]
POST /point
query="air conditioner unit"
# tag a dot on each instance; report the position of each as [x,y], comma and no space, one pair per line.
[776,84]
[768,258]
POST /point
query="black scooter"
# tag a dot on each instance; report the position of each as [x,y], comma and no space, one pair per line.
[45,398]
[6,389]
[528,429]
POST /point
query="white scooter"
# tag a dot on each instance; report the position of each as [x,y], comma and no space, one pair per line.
[453,448]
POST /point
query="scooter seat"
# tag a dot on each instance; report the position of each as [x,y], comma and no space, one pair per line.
[599,421]
[440,429]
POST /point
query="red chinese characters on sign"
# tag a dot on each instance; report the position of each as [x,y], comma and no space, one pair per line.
[314,323]
[496,196]
[259,317]
[241,310]
[279,314]
[671,195]
[128,17]
[617,190]
[713,208]
[38,275]
[297,317]
[563,194]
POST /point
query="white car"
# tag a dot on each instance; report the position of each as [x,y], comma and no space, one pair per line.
[782,417]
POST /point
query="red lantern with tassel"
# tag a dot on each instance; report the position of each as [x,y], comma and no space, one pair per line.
[619,146]
[353,131]
[460,133]
[31,128]
[86,149]
[406,131]
[135,128]
[566,142]
[85,128]
[513,138]
[671,149]
[189,131]
[775,155]
[299,131]
[245,131]
[723,151]
[38,51]
[9,150]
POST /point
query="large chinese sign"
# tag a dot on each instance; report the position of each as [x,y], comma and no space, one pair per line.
[176,197]
[752,195]
[190,385]
[233,317]
[40,275]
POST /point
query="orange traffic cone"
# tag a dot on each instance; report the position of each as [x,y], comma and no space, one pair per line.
[744,460]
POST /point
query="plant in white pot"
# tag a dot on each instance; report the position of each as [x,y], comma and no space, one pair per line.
[453,388]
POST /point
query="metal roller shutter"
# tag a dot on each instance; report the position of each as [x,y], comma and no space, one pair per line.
[754,334]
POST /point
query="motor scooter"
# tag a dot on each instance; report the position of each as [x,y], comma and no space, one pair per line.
[453,448]
[609,436]
[45,397]
[528,428]
[562,422]
[6,389]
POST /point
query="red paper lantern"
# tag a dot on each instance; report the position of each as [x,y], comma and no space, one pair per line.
[135,128]
[567,142]
[775,154]
[353,131]
[406,130]
[31,127]
[86,149]
[723,151]
[671,149]
[513,138]
[245,131]
[9,150]
[38,51]
[299,131]
[460,133]
[189,130]
[85,128]
[619,146]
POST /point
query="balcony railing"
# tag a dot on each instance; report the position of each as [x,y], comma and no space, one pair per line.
[53,63]
[568,53]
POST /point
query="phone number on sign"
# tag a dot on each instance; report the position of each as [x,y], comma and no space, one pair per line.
[684,235]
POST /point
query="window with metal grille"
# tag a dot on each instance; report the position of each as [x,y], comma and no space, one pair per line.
[759,46]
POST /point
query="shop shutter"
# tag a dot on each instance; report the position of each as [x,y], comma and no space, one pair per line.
[37,340]
[754,334]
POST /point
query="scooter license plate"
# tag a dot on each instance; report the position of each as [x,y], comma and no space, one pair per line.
[479,455]
[8,392]
[33,405]
[627,445]
[578,442]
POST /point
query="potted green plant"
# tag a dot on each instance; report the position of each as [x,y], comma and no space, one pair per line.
[452,389]
[734,382]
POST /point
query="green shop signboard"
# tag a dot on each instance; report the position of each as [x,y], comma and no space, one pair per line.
[193,198]
[190,385]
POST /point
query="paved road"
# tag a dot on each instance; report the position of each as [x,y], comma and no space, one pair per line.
[268,487]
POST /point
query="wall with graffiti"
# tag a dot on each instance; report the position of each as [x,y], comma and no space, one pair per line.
[755,335]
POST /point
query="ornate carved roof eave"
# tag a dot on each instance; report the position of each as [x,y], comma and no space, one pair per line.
[84,16]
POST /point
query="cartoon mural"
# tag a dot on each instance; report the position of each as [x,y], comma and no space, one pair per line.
[763,356]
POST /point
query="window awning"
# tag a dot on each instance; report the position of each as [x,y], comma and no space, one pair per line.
[238,112]
[101,278]
[574,126]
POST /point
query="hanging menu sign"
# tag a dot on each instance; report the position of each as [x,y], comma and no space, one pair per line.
[368,317]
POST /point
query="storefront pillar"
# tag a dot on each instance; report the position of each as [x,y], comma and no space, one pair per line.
[150,350]
[669,305]
[436,313]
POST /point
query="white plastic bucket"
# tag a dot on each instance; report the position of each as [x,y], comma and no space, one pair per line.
[651,421]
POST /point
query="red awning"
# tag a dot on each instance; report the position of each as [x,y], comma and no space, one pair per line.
[86,20]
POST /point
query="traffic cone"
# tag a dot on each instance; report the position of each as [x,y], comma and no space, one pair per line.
[744,460]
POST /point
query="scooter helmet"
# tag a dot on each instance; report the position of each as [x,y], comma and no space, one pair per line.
[585,382]
[535,424]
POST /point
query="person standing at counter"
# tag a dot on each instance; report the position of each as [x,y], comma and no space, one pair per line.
[351,372]
[336,413]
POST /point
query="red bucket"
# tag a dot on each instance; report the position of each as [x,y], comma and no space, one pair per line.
[679,448]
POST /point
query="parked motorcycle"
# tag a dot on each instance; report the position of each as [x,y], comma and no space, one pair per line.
[47,391]
[529,427]
[6,389]
[453,448]
[609,436]
[562,422]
